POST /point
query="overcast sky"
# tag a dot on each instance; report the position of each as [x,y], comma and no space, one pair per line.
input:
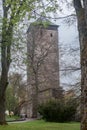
[68,38]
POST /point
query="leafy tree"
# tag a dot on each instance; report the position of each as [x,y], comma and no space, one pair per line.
[15,93]
[57,111]
[11,100]
[18,85]
[13,12]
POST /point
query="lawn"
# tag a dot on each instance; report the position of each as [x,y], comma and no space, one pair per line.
[41,125]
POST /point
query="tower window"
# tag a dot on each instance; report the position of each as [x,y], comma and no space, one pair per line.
[41,33]
[51,34]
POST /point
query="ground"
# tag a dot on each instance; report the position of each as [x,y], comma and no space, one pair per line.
[41,125]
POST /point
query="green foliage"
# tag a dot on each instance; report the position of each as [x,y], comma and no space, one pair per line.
[70,109]
[11,99]
[57,111]
[12,118]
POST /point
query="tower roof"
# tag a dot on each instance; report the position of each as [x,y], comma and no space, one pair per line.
[43,21]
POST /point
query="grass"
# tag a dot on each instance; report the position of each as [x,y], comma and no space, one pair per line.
[41,125]
[8,118]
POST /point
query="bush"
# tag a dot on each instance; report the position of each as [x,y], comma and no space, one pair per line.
[56,111]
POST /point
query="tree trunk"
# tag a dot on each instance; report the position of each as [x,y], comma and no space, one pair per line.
[5,63]
[82,29]
[2,110]
[35,97]
[85,8]
[35,106]
[84,89]
[3,86]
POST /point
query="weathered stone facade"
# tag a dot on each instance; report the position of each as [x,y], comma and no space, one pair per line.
[43,64]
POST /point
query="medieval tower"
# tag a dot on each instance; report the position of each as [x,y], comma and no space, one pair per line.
[43,64]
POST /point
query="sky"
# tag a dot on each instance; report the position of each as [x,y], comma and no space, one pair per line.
[68,38]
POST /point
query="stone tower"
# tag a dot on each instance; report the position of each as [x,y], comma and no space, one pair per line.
[43,64]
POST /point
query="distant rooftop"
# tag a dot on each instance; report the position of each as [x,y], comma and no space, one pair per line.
[44,22]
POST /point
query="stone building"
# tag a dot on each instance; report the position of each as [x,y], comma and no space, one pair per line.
[43,64]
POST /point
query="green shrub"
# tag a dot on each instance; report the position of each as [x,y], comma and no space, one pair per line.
[56,111]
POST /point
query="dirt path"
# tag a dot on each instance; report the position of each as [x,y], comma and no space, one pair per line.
[26,120]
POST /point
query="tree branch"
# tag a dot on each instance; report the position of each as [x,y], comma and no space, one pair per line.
[62,17]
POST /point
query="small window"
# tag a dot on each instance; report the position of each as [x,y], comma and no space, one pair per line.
[30,39]
[41,33]
[51,34]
